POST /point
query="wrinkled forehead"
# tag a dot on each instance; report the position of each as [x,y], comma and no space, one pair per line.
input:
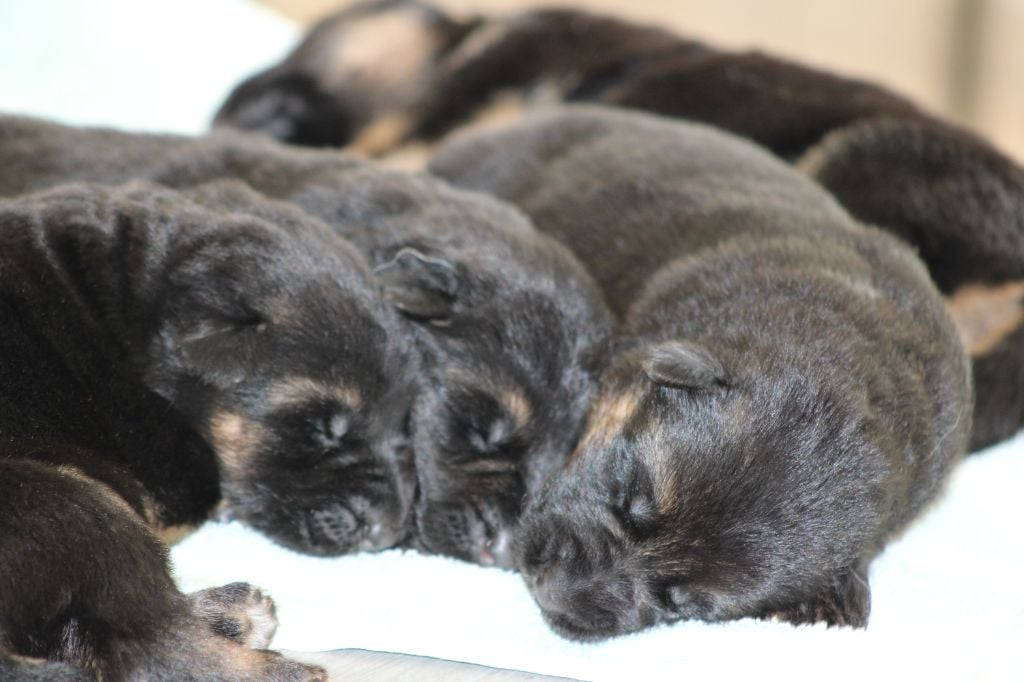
[488,387]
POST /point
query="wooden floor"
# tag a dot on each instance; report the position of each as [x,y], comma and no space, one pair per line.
[961,58]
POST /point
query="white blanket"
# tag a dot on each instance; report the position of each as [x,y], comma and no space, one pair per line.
[948,598]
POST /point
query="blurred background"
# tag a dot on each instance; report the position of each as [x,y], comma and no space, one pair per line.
[961,58]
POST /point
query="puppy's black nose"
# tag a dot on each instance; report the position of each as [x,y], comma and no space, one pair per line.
[547,596]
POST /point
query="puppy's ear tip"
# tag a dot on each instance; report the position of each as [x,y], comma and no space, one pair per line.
[683,364]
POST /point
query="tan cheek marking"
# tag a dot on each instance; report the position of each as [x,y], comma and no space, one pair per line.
[412,156]
[293,390]
[234,439]
[381,135]
[516,404]
[502,109]
[608,417]
[172,535]
[985,315]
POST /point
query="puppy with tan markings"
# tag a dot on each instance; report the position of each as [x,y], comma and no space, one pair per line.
[509,326]
[946,191]
[134,320]
[788,390]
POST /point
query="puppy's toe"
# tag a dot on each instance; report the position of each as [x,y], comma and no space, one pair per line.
[239,611]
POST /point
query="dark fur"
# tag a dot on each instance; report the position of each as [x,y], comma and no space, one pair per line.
[881,156]
[510,325]
[133,319]
[788,390]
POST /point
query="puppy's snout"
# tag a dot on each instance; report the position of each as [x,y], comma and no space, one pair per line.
[496,550]
[378,534]
[547,594]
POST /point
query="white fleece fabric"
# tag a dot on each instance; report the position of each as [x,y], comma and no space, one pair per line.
[948,597]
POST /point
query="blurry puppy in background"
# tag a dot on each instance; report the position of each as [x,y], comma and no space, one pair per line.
[947,192]
[136,319]
[509,326]
[787,390]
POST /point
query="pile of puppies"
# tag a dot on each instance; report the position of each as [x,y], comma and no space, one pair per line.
[644,361]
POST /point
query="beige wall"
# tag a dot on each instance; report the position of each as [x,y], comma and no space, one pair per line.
[910,45]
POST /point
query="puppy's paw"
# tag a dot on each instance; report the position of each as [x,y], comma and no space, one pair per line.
[281,669]
[239,611]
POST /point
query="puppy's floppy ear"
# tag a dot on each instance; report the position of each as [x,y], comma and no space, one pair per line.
[683,364]
[420,286]
[222,353]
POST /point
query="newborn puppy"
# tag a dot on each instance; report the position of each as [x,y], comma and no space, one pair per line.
[787,392]
[510,327]
[268,333]
[125,331]
[425,73]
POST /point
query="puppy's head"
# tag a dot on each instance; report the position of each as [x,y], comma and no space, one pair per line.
[274,338]
[700,492]
[513,364]
[354,68]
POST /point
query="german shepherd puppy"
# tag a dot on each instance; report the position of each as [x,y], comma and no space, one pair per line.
[953,197]
[510,327]
[787,391]
[137,321]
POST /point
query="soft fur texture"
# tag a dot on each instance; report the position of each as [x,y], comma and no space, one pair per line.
[787,392]
[510,326]
[947,192]
[126,334]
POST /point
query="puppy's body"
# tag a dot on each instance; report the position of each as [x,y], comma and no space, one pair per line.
[787,392]
[509,324]
[953,197]
[126,335]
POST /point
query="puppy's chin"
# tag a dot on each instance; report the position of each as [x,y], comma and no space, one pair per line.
[331,530]
[478,535]
[578,630]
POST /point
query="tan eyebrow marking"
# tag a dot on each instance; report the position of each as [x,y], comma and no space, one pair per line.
[516,404]
[299,389]
[608,417]
[234,438]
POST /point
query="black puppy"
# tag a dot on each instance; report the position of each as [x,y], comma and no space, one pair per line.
[510,326]
[953,197]
[273,342]
[133,318]
[788,390]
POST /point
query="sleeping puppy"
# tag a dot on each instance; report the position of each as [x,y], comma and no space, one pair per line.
[267,332]
[509,326]
[441,72]
[786,393]
[878,153]
[135,319]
